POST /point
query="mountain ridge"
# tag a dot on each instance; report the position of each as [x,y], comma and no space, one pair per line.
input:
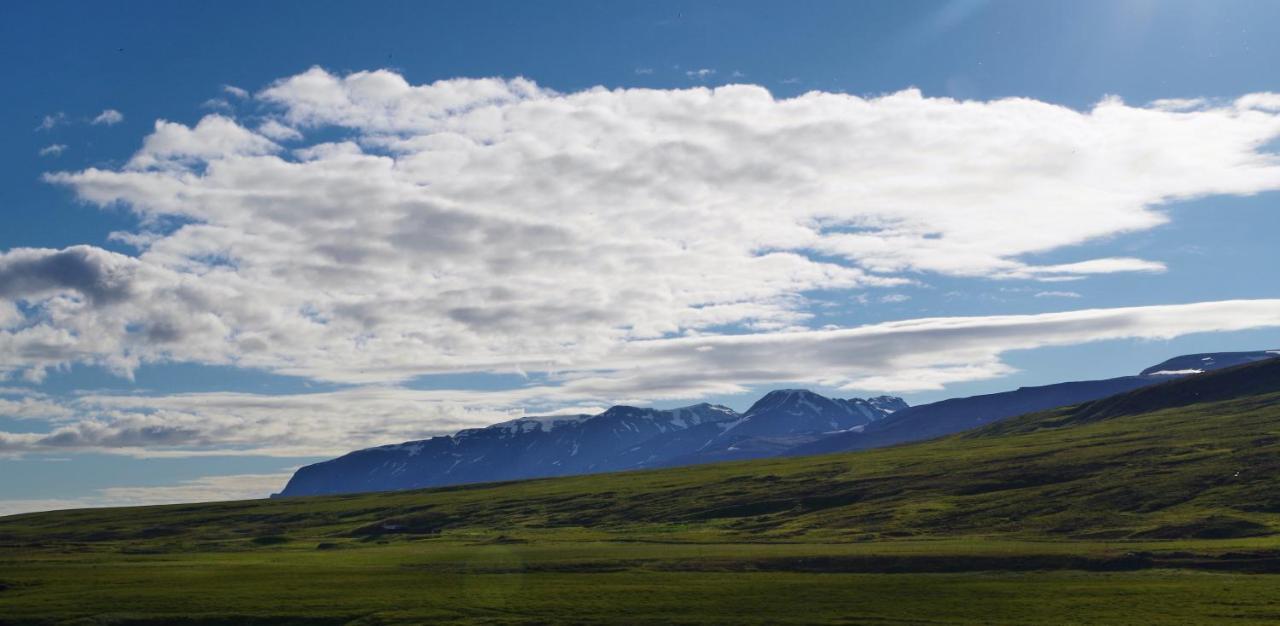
[783,422]
[617,439]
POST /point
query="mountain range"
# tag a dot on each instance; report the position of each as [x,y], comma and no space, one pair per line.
[788,422]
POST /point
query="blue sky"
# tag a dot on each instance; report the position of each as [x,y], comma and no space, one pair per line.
[196,375]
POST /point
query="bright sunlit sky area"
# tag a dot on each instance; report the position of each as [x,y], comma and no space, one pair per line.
[241,237]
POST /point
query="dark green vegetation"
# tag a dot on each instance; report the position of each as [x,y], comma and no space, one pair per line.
[1158,506]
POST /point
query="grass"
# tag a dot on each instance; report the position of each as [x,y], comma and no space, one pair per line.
[1097,514]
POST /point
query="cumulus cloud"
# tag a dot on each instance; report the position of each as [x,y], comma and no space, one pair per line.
[109,117]
[214,138]
[273,129]
[92,306]
[491,224]
[31,273]
[1261,101]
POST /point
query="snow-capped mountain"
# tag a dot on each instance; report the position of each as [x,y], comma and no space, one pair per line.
[787,418]
[787,422]
[1206,362]
[796,411]
[528,447]
[620,438]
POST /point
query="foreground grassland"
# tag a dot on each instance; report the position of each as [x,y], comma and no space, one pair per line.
[1119,512]
[459,583]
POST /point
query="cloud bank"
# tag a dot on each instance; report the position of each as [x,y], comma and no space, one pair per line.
[491,224]
[622,245]
[896,356]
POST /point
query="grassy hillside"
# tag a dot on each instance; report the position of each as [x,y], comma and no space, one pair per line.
[1068,512]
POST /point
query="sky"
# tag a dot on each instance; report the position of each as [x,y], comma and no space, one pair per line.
[242,237]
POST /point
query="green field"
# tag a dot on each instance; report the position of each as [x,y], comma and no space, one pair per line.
[1141,509]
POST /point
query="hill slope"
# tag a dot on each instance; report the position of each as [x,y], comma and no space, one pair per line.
[936,419]
[1122,466]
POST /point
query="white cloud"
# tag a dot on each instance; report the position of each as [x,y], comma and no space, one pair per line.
[273,129]
[309,424]
[53,150]
[33,408]
[51,121]
[1057,294]
[700,74]
[644,70]
[895,298]
[385,101]
[217,104]
[235,92]
[1269,102]
[1179,104]
[110,117]
[491,224]
[214,138]
[910,355]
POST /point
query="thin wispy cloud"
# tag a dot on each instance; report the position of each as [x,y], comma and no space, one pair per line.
[108,117]
[52,150]
[909,355]
[217,104]
[52,121]
[274,130]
